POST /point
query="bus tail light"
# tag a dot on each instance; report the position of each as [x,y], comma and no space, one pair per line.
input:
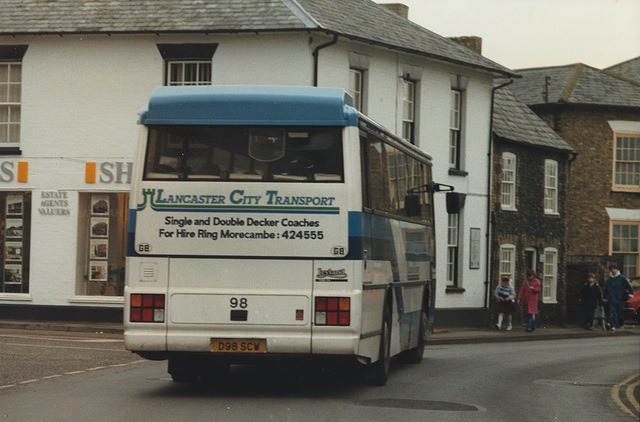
[147,308]
[333,311]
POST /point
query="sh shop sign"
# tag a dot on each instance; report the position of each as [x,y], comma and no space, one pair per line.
[11,171]
[108,172]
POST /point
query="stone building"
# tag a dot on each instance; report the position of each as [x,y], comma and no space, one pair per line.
[598,114]
[531,166]
[74,75]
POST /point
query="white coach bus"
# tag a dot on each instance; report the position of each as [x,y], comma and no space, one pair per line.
[275,222]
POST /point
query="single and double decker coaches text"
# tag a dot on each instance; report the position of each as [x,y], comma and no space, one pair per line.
[271,222]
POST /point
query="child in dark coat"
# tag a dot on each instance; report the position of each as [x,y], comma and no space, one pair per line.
[591,298]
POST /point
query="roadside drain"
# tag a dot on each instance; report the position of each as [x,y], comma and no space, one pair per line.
[560,383]
[418,405]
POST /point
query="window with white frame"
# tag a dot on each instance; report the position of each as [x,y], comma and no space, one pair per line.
[10,94]
[550,187]
[455,128]
[624,242]
[356,78]
[408,110]
[627,161]
[550,275]
[185,73]
[358,74]
[507,261]
[187,64]
[508,185]
[452,249]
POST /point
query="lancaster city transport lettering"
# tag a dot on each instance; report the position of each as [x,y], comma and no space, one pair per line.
[237,201]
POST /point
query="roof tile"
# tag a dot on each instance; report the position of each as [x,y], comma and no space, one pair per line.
[358,19]
[514,121]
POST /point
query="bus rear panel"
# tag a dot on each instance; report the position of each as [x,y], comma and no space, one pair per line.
[254,232]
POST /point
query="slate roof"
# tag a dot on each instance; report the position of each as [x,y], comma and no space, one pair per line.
[575,84]
[514,121]
[629,69]
[361,20]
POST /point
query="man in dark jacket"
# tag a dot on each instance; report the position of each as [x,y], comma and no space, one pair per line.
[616,290]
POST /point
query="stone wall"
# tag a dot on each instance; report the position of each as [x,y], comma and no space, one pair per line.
[528,227]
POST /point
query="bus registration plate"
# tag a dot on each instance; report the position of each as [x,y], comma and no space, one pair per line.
[224,345]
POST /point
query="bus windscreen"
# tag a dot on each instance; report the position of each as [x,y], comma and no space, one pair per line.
[242,153]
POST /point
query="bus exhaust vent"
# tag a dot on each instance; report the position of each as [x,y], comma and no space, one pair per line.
[239,315]
[148,271]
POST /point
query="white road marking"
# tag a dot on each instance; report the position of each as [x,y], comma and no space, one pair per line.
[3,387]
[45,346]
[77,340]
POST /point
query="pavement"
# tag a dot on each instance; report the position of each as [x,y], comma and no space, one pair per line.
[439,336]
[492,335]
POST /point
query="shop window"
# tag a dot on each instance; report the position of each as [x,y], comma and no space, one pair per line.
[102,236]
[15,224]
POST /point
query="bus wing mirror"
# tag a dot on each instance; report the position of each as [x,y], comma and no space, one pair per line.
[412,205]
[455,202]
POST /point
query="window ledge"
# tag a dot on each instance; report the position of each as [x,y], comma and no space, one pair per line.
[456,172]
[107,300]
[453,289]
[508,209]
[626,188]
[10,151]
[552,214]
[19,297]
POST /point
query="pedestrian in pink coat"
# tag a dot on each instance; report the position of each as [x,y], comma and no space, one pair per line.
[528,294]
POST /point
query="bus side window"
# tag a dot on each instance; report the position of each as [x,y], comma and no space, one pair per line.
[378,179]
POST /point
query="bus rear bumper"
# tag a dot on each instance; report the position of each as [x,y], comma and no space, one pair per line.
[157,344]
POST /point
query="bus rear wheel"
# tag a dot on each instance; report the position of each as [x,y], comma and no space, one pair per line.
[415,355]
[183,370]
[378,372]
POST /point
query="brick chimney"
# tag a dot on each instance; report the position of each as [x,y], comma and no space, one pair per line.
[472,43]
[398,9]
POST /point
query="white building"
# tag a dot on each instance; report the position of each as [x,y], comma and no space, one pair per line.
[74,75]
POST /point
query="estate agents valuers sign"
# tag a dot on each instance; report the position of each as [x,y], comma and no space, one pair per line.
[245,221]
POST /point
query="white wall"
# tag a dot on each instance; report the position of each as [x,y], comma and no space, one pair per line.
[81,96]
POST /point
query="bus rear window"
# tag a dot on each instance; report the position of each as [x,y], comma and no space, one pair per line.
[247,154]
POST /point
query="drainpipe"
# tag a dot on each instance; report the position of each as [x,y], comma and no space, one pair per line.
[316,52]
[487,283]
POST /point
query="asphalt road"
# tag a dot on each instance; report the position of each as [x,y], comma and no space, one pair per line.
[88,377]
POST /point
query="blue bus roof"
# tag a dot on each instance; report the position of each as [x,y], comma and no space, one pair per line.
[249,105]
